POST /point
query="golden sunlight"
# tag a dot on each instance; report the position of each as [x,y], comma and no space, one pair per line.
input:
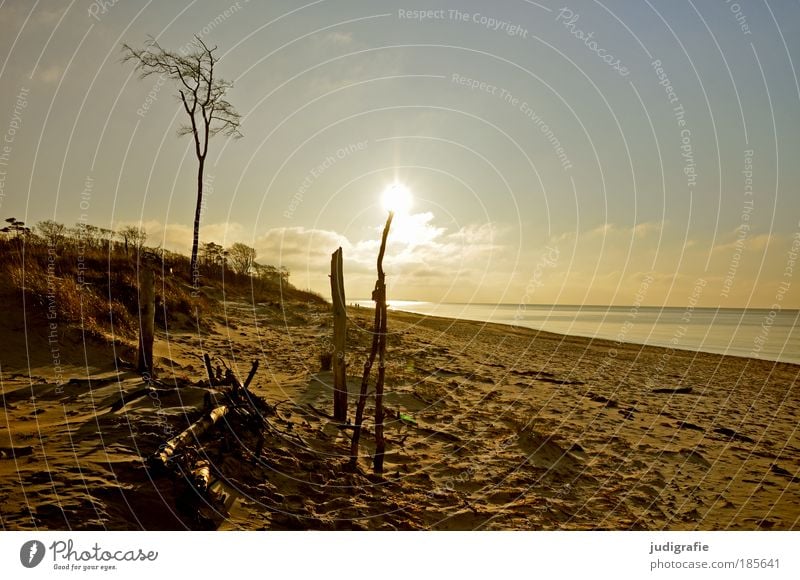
[397,198]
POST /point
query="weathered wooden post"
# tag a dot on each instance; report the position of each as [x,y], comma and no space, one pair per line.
[378,345]
[380,304]
[339,338]
[147,320]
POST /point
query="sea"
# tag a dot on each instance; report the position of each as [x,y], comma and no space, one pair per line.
[750,332]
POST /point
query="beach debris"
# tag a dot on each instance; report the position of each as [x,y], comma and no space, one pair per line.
[378,349]
[213,379]
[673,391]
[250,375]
[230,404]
[190,434]
[339,337]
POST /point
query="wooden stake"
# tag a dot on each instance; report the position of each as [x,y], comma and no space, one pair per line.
[378,344]
[380,304]
[147,320]
[212,379]
[339,338]
[380,442]
[250,376]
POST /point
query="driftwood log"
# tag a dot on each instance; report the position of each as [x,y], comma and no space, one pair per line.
[192,433]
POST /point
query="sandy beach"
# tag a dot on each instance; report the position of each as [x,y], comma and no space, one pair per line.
[502,428]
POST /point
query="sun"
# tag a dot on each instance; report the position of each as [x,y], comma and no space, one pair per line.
[397,198]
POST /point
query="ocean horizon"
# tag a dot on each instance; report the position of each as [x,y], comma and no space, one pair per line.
[759,333]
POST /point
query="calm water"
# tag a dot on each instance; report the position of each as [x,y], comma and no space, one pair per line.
[753,333]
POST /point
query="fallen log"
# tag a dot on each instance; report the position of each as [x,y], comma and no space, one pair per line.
[192,433]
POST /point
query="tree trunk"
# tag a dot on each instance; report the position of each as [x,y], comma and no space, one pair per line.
[339,338]
[147,318]
[194,272]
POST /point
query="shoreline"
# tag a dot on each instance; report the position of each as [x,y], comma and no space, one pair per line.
[686,349]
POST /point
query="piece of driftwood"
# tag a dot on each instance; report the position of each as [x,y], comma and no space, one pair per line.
[339,337]
[147,320]
[380,302]
[362,397]
[379,296]
[212,379]
[192,433]
[250,375]
[201,474]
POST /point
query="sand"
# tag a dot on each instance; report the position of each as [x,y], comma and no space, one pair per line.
[511,429]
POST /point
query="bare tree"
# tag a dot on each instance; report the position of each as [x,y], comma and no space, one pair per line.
[133,236]
[203,99]
[241,258]
[53,232]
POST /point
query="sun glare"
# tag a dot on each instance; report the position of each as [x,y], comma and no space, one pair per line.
[397,198]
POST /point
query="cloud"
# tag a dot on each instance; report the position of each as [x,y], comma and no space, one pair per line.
[420,256]
[744,241]
[477,262]
[422,259]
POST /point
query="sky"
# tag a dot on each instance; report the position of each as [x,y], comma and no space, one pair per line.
[557,153]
